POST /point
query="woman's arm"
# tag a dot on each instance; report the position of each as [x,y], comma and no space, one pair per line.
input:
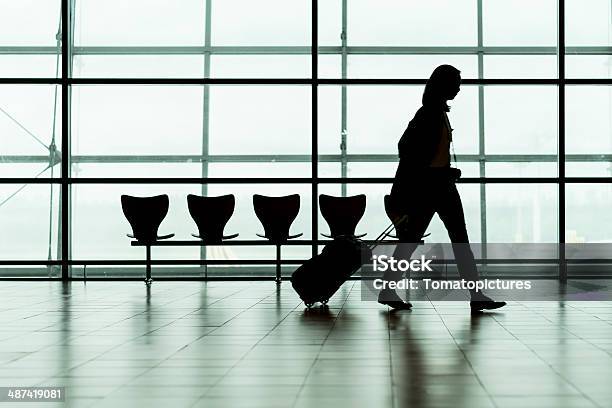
[418,144]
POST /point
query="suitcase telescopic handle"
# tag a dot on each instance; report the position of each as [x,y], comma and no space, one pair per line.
[387,231]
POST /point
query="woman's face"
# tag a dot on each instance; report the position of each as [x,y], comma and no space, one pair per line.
[455,88]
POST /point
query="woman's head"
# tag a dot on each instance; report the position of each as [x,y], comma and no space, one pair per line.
[442,86]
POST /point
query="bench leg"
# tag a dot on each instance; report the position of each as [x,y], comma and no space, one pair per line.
[148,279]
[278,279]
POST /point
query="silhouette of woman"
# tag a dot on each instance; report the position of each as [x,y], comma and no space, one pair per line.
[425,185]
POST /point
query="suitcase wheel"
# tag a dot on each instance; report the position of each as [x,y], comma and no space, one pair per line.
[309,305]
[324,302]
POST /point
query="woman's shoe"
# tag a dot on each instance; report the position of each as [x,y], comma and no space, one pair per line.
[389,298]
[482,302]
[396,304]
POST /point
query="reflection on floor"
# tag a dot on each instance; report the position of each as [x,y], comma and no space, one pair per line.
[245,344]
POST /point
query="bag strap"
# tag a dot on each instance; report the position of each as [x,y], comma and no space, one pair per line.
[450,137]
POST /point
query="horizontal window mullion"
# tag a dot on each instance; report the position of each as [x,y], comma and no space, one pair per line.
[28,50]
[295,81]
[288,158]
[306,50]
[294,180]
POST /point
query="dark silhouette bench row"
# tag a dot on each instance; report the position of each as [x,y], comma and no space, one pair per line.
[211,214]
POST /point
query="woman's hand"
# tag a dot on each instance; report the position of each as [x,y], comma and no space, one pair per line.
[455,173]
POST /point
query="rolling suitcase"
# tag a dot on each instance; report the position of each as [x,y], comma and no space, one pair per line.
[321,276]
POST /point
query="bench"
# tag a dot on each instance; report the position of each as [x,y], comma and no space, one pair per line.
[199,243]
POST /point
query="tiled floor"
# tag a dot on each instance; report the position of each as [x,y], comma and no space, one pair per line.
[245,344]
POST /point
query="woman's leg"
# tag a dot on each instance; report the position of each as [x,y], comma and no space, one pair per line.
[450,210]
[451,213]
[409,234]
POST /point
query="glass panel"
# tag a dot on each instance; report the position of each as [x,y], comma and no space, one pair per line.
[330,22]
[330,66]
[522,213]
[378,116]
[110,168]
[589,127]
[139,22]
[329,119]
[260,120]
[532,169]
[29,66]
[587,209]
[588,66]
[29,219]
[470,199]
[520,22]
[26,126]
[238,169]
[588,23]
[520,66]
[242,22]
[588,119]
[138,66]
[588,26]
[404,23]
[408,66]
[23,167]
[29,22]
[261,66]
[137,120]
[192,66]
[329,169]
[600,168]
[521,119]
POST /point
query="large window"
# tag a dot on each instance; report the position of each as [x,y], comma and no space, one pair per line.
[227,96]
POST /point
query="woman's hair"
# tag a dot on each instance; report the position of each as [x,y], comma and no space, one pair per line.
[442,80]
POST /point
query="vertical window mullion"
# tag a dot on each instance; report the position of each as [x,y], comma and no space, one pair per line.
[343,121]
[481,136]
[206,110]
[65,187]
[315,123]
[561,137]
